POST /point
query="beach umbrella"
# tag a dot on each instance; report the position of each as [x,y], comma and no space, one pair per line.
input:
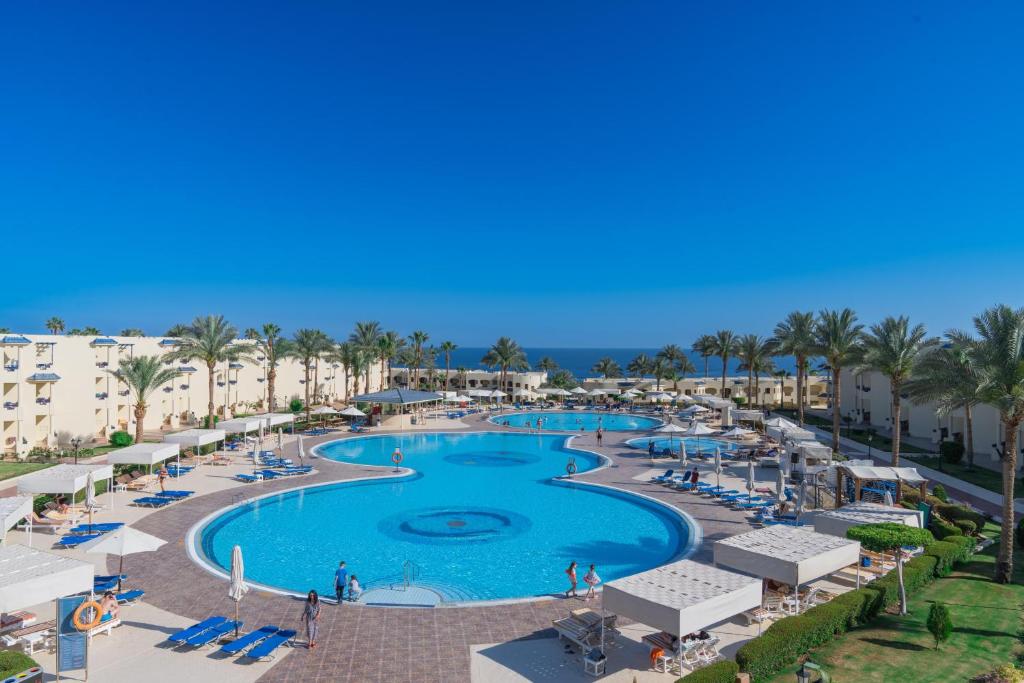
[352,411]
[577,390]
[780,486]
[750,479]
[887,499]
[90,494]
[302,451]
[682,453]
[325,410]
[121,542]
[737,433]
[718,467]
[671,429]
[698,430]
[800,497]
[780,423]
[238,587]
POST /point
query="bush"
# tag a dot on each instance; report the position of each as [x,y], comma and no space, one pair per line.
[120,439]
[206,421]
[942,529]
[940,492]
[953,512]
[719,672]
[951,452]
[966,526]
[295,405]
[1007,673]
[13,662]
[940,623]
[945,554]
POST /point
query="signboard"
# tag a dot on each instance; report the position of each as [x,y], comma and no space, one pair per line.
[72,644]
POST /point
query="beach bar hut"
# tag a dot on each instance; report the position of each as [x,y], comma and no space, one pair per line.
[682,597]
[401,398]
[787,554]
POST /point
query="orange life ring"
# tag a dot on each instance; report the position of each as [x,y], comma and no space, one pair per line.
[76,618]
[396,457]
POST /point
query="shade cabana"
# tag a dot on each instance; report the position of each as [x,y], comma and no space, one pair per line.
[148,454]
[196,438]
[836,522]
[682,597]
[276,419]
[65,479]
[787,554]
[13,509]
[241,425]
[398,396]
[747,415]
[31,577]
[869,477]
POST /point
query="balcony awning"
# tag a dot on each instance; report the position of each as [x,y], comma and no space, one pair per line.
[15,340]
[168,342]
[44,377]
[187,369]
[103,341]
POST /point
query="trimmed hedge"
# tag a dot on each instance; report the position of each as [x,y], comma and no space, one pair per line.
[954,512]
[719,672]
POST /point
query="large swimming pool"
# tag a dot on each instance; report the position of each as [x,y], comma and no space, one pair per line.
[693,445]
[580,420]
[480,519]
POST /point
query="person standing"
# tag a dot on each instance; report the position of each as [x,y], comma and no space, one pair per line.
[591,579]
[340,581]
[650,448]
[311,615]
[599,435]
[571,573]
[162,476]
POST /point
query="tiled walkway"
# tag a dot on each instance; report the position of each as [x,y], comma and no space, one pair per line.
[362,644]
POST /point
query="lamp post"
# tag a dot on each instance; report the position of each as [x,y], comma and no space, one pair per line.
[871,436]
[76,443]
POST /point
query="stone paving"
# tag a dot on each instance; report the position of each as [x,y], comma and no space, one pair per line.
[362,644]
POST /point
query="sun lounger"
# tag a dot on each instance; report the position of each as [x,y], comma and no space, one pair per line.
[96,528]
[663,477]
[195,629]
[175,494]
[104,585]
[575,631]
[248,478]
[72,541]
[212,635]
[153,501]
[265,648]
[239,644]
[130,597]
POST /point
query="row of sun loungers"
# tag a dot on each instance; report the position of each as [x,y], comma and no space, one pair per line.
[266,474]
[677,654]
[256,645]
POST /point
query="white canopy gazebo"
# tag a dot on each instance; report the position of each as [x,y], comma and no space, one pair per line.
[836,522]
[144,454]
[195,438]
[682,597]
[240,425]
[31,577]
[13,509]
[747,415]
[66,479]
[787,554]
[275,419]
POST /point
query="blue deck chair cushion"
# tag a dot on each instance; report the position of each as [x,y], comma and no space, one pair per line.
[212,634]
[236,646]
[186,633]
[267,646]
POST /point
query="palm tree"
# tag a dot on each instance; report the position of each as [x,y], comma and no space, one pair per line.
[418,338]
[607,367]
[307,345]
[273,347]
[671,353]
[359,360]
[751,349]
[998,356]
[143,374]
[178,330]
[682,368]
[505,354]
[388,345]
[342,355]
[446,348]
[782,376]
[661,369]
[640,365]
[837,338]
[794,336]
[365,336]
[547,364]
[893,347]
[724,345]
[210,339]
[462,373]
[947,377]
[132,332]
[55,325]
[705,346]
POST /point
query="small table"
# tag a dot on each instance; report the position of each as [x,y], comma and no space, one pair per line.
[594,667]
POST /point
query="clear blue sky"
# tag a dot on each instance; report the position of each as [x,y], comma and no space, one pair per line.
[569,173]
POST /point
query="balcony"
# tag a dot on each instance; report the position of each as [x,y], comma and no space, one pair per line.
[10,405]
[124,393]
[102,364]
[101,394]
[260,359]
[233,381]
[260,380]
[44,366]
[220,384]
[184,387]
[12,366]
[42,400]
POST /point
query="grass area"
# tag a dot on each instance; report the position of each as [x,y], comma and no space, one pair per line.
[14,469]
[986,629]
[979,476]
[882,443]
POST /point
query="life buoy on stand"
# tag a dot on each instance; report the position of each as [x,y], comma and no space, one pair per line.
[78,618]
[570,468]
[396,457]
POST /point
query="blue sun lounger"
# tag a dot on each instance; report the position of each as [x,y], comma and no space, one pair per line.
[130,597]
[663,477]
[248,478]
[270,474]
[204,625]
[72,541]
[153,501]
[96,528]
[236,646]
[174,494]
[212,635]
[265,649]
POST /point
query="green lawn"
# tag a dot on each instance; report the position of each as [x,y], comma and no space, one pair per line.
[14,469]
[986,621]
[979,476]
[880,442]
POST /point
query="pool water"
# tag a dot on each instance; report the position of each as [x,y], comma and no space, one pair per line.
[576,421]
[481,519]
[705,445]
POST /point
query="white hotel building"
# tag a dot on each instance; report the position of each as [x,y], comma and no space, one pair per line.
[57,387]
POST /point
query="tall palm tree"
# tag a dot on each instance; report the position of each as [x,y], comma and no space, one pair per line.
[143,375]
[794,336]
[947,377]
[751,349]
[661,369]
[998,356]
[724,346]
[681,368]
[273,347]
[640,365]
[893,347]
[388,345]
[446,348]
[547,364]
[782,376]
[307,345]
[55,325]
[462,374]
[132,332]
[607,368]
[178,330]
[505,354]
[837,337]
[705,346]
[417,339]
[209,339]
[365,336]
[671,353]
[342,354]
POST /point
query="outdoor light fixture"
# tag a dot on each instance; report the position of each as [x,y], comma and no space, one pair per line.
[76,443]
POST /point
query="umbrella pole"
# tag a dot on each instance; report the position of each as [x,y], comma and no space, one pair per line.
[236,618]
[120,573]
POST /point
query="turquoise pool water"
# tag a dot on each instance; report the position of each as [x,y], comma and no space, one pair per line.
[576,420]
[706,444]
[481,519]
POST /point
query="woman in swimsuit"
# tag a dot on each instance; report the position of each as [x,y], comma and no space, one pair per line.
[571,573]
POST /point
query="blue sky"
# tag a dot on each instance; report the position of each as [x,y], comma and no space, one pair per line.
[574,173]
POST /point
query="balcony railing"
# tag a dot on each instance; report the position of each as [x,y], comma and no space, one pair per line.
[44,366]
[101,394]
[168,390]
[124,393]
[10,405]
[184,386]
[220,384]
[232,381]
[42,400]
[260,380]
[102,364]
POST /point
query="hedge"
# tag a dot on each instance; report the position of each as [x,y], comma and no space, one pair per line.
[954,512]
[942,529]
[13,662]
[719,672]
[786,640]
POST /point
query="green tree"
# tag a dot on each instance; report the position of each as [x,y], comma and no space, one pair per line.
[307,345]
[505,354]
[417,339]
[562,379]
[724,346]
[273,347]
[751,349]
[132,332]
[998,356]
[660,369]
[893,347]
[547,364]
[143,375]
[55,325]
[365,336]
[388,346]
[705,346]
[640,365]
[795,337]
[446,348]
[607,368]
[890,537]
[210,340]
[940,622]
[178,330]
[837,337]
[946,376]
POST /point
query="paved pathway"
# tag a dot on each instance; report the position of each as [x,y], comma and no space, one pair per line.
[359,643]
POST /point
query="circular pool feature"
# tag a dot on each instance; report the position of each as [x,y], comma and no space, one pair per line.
[454,524]
[705,445]
[574,421]
[491,532]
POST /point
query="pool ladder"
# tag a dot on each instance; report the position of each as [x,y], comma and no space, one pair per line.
[410,572]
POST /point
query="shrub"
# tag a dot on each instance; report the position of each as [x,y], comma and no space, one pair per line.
[940,623]
[942,529]
[953,512]
[1007,673]
[295,405]
[940,492]
[206,421]
[120,439]
[945,554]
[13,662]
[966,526]
[910,505]
[951,452]
[719,672]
